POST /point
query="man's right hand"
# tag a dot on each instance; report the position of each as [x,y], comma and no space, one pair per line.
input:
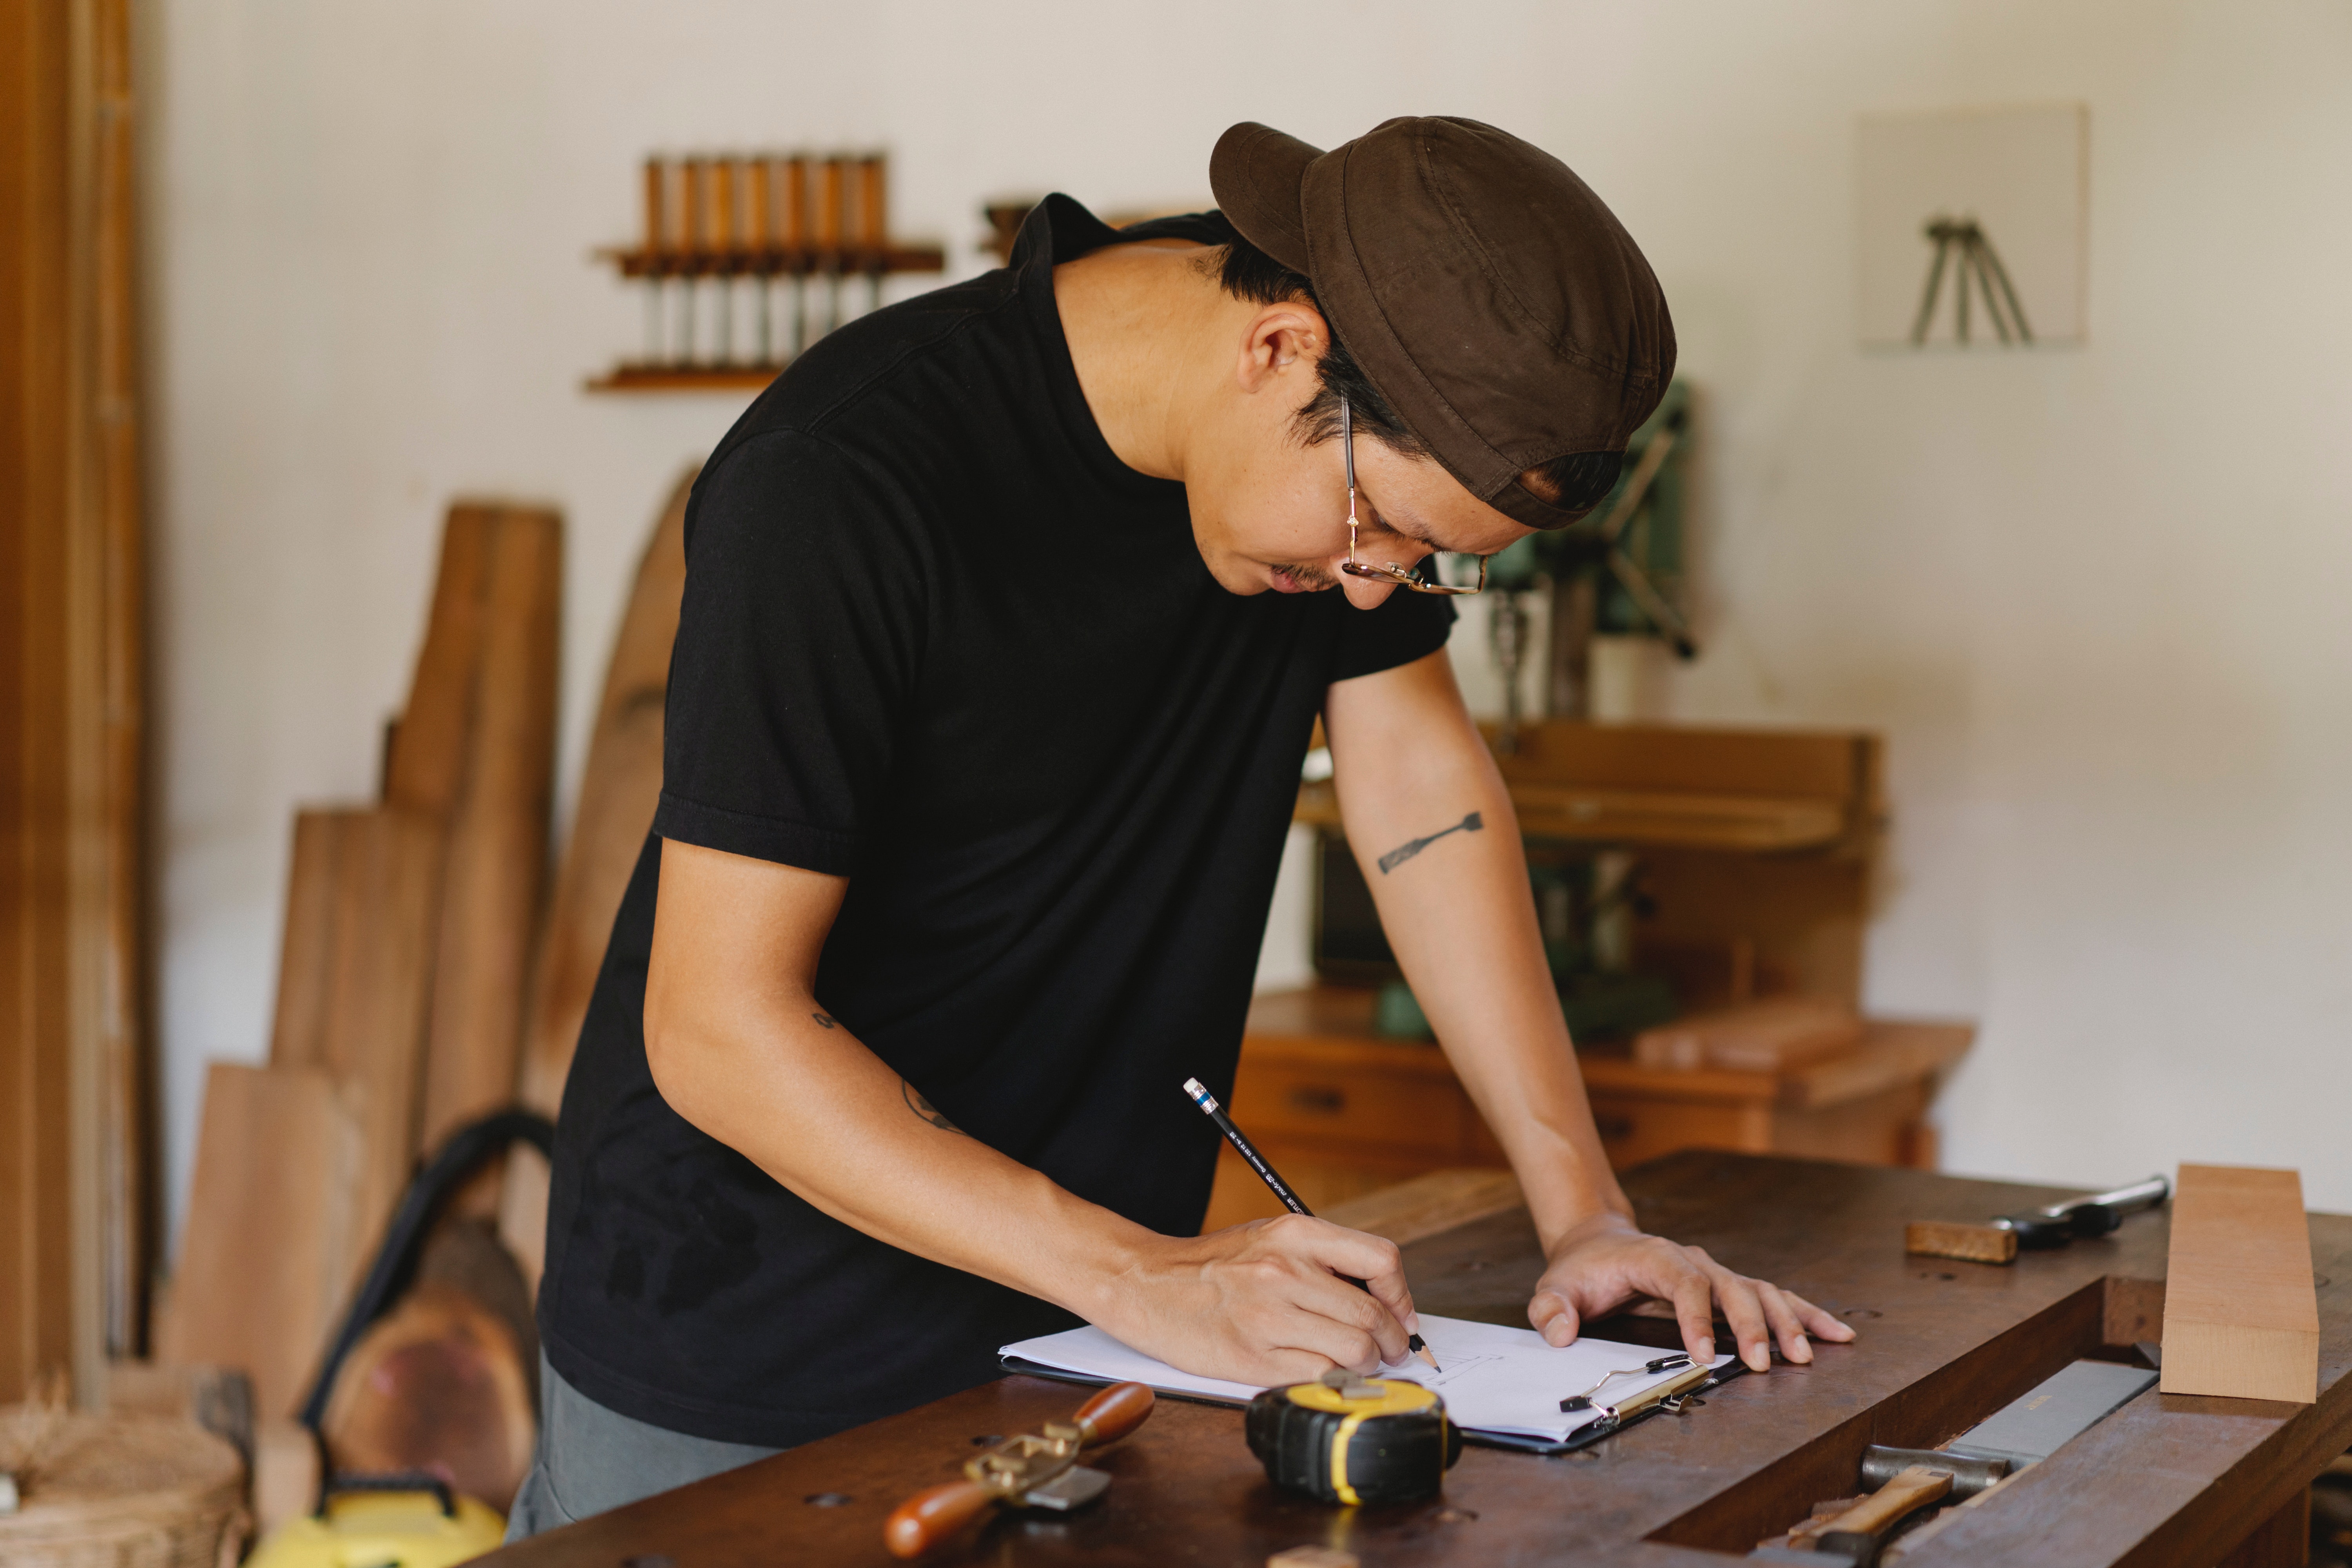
[1264,1302]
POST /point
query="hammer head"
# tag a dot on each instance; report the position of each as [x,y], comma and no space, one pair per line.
[1969,1475]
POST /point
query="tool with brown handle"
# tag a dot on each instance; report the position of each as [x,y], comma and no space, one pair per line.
[1028,1471]
[1854,1536]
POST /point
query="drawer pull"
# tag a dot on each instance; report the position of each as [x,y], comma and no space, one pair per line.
[1320,1100]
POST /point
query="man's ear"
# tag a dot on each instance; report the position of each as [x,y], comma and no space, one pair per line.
[1282,340]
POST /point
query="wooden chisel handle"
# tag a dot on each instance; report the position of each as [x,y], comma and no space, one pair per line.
[928,1518]
[1114,1412]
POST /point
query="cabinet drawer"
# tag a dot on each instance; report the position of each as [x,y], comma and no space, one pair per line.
[1632,1131]
[1416,1114]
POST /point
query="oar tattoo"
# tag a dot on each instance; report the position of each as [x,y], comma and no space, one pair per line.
[1406,851]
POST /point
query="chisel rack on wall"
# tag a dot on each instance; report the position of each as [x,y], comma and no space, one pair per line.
[746,259]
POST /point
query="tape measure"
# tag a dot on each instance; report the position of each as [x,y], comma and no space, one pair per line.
[1349,1439]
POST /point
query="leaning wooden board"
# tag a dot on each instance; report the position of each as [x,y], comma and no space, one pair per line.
[494,799]
[618,790]
[265,1255]
[2168,1479]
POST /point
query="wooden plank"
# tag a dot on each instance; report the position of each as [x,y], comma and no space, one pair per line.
[426,764]
[386,905]
[494,879]
[265,1254]
[2241,1314]
[73,1053]
[306,961]
[618,790]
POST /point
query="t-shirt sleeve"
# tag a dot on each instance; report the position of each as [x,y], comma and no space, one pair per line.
[1405,628]
[799,644]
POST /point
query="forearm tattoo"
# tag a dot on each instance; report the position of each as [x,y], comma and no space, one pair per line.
[826,1020]
[924,1107]
[1412,847]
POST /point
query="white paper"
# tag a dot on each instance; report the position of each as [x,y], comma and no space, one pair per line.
[1506,1381]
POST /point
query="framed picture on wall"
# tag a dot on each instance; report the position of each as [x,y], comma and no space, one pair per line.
[1971,227]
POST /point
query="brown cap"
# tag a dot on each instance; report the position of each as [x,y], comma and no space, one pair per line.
[1498,306]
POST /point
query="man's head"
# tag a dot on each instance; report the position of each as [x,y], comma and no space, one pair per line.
[1496,334]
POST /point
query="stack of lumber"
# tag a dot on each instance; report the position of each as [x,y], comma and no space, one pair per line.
[619,788]
[409,930]
[427,980]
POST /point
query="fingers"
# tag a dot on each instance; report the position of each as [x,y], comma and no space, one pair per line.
[1819,1323]
[1693,1299]
[1382,1308]
[1786,1327]
[1313,1267]
[1555,1319]
[1743,1314]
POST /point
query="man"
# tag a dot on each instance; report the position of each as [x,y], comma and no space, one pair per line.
[1008,616]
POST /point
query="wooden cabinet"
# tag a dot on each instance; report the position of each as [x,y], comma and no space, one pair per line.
[1341,1112]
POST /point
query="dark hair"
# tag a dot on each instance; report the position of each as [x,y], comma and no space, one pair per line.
[1576,482]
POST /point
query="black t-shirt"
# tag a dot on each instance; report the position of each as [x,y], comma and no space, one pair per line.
[939,640]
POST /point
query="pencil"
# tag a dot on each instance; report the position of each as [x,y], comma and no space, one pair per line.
[1249,1151]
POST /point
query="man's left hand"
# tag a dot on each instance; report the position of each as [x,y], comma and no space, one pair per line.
[1606,1262]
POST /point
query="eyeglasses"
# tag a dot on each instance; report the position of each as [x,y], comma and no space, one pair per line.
[1421,576]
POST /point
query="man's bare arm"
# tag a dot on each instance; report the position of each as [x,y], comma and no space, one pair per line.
[740,1046]
[1432,826]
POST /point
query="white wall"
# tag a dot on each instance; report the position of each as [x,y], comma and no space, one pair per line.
[2093,596]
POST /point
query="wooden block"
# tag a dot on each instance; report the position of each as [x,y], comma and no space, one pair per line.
[1969,1243]
[618,790]
[494,879]
[437,1383]
[1777,1034]
[265,1257]
[2241,1314]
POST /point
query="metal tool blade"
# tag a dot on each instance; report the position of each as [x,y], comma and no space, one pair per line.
[1074,1488]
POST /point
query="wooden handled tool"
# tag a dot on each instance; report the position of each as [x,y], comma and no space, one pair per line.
[1028,1471]
[1902,1482]
[1998,1240]
[1851,1539]
[1855,1535]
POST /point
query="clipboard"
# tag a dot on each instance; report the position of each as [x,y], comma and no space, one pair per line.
[1655,1401]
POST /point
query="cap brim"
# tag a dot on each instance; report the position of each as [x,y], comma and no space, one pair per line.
[1255,172]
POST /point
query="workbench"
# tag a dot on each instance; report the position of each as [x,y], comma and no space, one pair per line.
[2166,1479]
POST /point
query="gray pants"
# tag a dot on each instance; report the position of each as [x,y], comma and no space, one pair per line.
[591,1458]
